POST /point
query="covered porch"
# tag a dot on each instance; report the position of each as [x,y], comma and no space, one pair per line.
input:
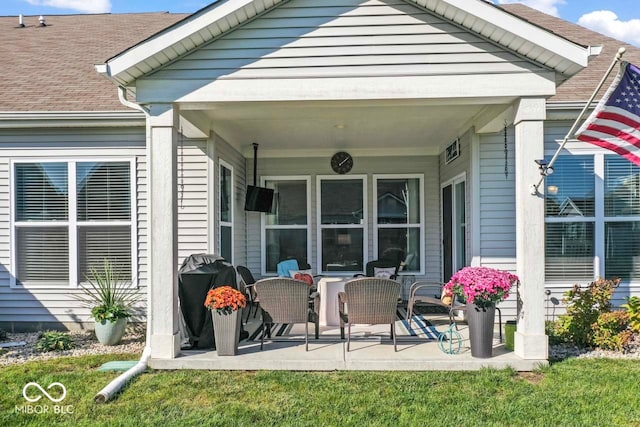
[392,85]
[297,140]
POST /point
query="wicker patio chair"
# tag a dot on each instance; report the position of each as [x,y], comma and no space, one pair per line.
[285,300]
[370,300]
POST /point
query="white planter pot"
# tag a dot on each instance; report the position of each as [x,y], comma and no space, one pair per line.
[110,333]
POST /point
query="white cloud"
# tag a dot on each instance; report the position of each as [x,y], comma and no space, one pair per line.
[86,6]
[546,6]
[607,22]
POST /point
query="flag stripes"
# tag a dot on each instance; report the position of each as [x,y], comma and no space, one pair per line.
[615,123]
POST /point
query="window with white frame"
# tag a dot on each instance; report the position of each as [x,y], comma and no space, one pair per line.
[592,208]
[342,224]
[286,227]
[398,219]
[226,204]
[69,217]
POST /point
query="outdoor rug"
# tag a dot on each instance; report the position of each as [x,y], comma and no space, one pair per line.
[421,330]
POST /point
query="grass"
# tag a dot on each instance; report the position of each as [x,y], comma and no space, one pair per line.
[586,392]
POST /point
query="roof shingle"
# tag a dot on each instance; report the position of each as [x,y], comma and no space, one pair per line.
[52,68]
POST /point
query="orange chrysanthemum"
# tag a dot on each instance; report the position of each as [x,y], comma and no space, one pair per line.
[225,299]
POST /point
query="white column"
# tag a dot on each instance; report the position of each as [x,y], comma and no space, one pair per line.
[162,140]
[530,340]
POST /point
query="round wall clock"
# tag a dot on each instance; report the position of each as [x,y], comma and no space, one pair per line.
[341,162]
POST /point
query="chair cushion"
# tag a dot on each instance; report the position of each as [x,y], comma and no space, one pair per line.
[302,275]
[384,273]
[284,267]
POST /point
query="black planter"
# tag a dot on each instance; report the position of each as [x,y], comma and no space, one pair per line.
[481,322]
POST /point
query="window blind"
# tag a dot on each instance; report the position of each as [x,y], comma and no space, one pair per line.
[571,188]
[621,187]
[104,191]
[622,249]
[569,251]
[97,243]
[43,255]
[41,192]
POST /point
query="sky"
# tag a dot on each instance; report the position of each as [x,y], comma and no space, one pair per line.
[617,18]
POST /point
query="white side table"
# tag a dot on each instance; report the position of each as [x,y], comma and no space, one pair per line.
[329,288]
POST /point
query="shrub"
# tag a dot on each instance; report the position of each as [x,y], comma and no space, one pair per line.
[584,306]
[611,332]
[54,341]
[109,297]
[553,331]
[633,311]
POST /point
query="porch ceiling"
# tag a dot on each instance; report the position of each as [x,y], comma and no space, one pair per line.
[289,129]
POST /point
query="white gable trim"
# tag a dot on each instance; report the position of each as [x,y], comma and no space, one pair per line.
[477,16]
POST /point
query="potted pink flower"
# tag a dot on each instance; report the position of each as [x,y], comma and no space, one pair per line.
[481,288]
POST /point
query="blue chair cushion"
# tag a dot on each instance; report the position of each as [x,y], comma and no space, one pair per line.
[285,266]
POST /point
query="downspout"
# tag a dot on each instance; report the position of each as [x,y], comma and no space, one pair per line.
[117,384]
[122,97]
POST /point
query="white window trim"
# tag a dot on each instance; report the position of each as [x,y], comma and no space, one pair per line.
[264,226]
[72,223]
[364,226]
[462,177]
[599,219]
[232,202]
[420,226]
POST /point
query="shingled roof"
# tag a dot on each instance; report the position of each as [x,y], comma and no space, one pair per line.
[52,68]
[581,86]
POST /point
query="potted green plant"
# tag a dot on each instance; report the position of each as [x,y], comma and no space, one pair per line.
[111,300]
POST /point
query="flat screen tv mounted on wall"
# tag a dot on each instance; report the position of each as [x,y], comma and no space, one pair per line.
[259,199]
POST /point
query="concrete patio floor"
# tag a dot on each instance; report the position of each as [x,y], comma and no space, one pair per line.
[371,353]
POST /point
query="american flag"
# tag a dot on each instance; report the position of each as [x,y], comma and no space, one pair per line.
[615,123]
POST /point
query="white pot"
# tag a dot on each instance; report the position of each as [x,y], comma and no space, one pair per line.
[110,333]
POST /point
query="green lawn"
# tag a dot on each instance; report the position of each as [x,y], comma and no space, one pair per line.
[574,392]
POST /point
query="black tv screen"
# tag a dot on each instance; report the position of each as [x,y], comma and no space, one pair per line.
[258,199]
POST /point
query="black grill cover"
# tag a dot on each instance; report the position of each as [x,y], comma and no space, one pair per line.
[198,274]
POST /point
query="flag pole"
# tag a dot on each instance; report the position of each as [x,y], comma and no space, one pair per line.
[544,168]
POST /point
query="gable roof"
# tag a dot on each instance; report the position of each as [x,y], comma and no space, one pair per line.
[530,41]
[52,68]
[581,86]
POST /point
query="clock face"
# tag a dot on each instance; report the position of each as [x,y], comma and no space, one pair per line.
[341,162]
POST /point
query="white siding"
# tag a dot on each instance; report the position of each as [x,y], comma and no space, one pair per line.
[427,165]
[302,38]
[497,202]
[193,208]
[498,208]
